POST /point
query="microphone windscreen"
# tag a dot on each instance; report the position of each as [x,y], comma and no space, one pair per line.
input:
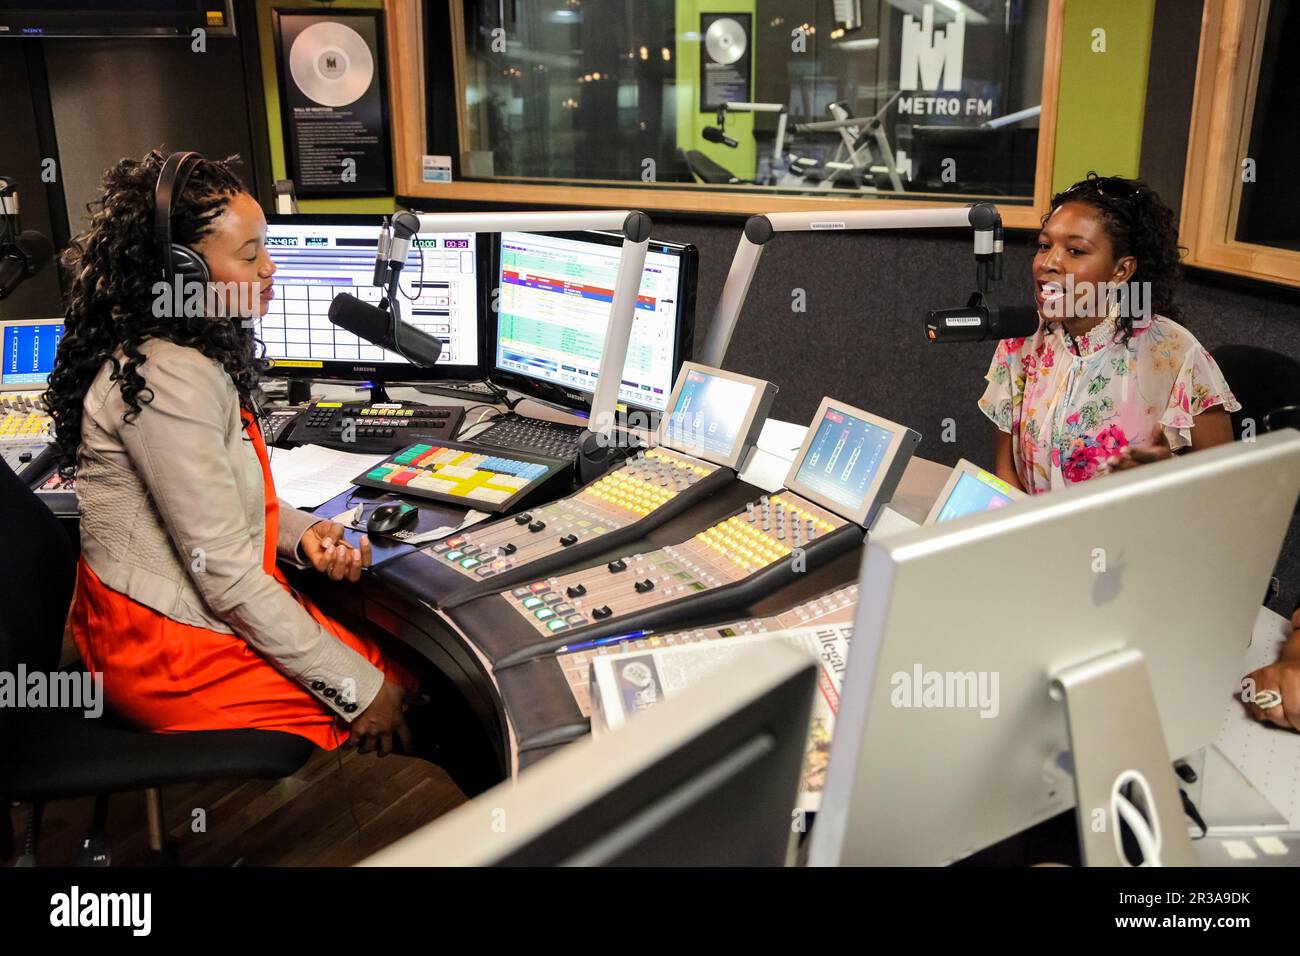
[362,319]
[1015,322]
[405,225]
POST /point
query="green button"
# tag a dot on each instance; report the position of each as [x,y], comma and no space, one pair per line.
[532,602]
[378,474]
[470,563]
[543,614]
[557,625]
[454,555]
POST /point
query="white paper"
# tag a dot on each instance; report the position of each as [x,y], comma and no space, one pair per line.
[624,683]
[309,475]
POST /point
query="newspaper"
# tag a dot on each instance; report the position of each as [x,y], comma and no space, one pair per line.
[623,684]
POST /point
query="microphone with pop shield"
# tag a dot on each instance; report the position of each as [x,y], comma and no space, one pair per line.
[376,326]
[979,322]
[22,259]
[715,135]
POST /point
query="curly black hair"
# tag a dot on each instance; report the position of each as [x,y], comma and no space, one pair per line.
[113,267]
[1139,225]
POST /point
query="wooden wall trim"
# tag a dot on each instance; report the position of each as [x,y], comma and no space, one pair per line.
[1222,109]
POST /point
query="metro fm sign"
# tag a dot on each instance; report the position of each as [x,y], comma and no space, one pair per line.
[930,61]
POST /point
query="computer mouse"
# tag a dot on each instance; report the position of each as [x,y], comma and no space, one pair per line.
[389,518]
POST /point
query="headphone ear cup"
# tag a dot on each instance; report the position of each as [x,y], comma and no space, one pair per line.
[188,265]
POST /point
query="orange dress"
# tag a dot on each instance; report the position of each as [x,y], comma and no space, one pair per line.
[167,676]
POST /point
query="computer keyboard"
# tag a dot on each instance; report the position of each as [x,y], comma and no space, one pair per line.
[553,439]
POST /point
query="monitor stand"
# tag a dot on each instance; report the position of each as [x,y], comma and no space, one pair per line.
[379,394]
[1115,730]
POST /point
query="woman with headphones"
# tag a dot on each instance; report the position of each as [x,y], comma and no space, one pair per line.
[1110,380]
[180,603]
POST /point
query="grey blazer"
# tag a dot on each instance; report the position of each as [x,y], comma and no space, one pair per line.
[173,516]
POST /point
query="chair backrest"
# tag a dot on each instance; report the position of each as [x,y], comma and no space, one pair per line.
[37,573]
[1264,382]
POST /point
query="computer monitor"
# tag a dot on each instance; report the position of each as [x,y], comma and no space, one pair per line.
[318,257]
[851,461]
[971,490]
[708,778]
[716,415]
[30,346]
[948,738]
[553,293]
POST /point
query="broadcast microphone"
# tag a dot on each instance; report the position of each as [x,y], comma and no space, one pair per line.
[376,326]
[715,135]
[978,322]
[22,259]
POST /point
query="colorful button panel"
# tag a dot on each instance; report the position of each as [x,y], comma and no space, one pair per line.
[458,473]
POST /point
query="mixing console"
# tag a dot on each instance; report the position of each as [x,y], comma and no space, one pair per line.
[847,468]
[728,564]
[23,419]
[834,607]
[645,491]
[709,435]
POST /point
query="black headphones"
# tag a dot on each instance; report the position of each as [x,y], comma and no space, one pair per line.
[177,259]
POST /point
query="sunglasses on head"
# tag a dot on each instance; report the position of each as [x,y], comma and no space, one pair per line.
[1113,187]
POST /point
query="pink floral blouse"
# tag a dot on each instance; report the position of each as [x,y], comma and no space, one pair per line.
[1068,413]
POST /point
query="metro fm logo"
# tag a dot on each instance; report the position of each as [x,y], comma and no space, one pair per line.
[931,61]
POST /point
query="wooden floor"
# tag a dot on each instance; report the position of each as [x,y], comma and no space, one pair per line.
[338,809]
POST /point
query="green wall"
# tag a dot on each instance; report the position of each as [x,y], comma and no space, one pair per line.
[743,160]
[1103,95]
[271,88]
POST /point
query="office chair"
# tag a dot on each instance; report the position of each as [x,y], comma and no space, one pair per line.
[54,754]
[1267,384]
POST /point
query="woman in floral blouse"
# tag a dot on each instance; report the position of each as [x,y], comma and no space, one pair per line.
[1110,380]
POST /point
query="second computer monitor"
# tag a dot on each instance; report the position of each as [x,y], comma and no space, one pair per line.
[551,303]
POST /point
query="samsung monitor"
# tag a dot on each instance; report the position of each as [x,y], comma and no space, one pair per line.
[851,461]
[708,778]
[950,735]
[716,415]
[550,309]
[30,346]
[971,490]
[318,257]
